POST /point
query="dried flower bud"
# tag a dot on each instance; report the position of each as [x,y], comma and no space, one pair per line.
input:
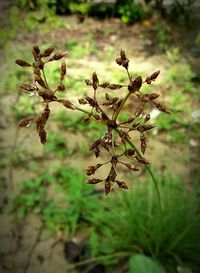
[67,103]
[47,52]
[111,101]
[143,128]
[122,54]
[112,174]
[61,87]
[148,80]
[95,144]
[154,75]
[39,80]
[119,61]
[153,96]
[36,71]
[131,167]
[22,63]
[107,186]
[107,96]
[121,184]
[125,64]
[36,52]
[95,81]
[58,56]
[143,144]
[25,122]
[63,68]
[135,85]
[114,86]
[147,117]
[129,152]
[43,136]
[82,101]
[142,160]
[27,87]
[88,82]
[92,169]
[162,108]
[94,181]
[104,85]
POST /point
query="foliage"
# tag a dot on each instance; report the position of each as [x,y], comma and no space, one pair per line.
[63,212]
[129,11]
[142,264]
[137,225]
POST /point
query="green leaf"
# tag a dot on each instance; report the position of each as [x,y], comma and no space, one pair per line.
[142,264]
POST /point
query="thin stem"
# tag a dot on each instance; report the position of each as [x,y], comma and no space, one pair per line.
[129,76]
[121,105]
[147,168]
[100,258]
[45,79]
[82,110]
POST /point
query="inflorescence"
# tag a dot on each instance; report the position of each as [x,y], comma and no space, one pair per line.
[117,139]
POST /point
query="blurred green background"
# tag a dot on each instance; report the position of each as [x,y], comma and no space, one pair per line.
[50,218]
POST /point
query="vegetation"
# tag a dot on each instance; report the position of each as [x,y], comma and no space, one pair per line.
[154,225]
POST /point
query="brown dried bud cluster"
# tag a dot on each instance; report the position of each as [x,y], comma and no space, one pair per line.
[41,87]
[104,110]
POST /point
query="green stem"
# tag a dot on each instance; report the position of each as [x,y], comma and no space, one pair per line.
[103,257]
[45,79]
[121,105]
[147,168]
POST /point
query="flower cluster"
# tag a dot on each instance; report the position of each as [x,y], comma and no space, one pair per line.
[117,138]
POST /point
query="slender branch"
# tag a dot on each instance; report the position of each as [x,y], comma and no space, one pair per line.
[121,105]
[45,79]
[148,168]
[100,258]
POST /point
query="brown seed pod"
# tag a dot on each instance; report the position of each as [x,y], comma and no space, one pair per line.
[47,52]
[82,101]
[129,152]
[94,181]
[58,56]
[143,144]
[39,80]
[92,169]
[147,117]
[121,184]
[162,108]
[107,186]
[143,128]
[135,85]
[154,75]
[153,96]
[61,87]
[123,55]
[114,86]
[95,80]
[131,167]
[104,85]
[67,103]
[27,87]
[22,63]
[25,122]
[63,69]
[119,61]
[36,52]
[142,160]
[88,82]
